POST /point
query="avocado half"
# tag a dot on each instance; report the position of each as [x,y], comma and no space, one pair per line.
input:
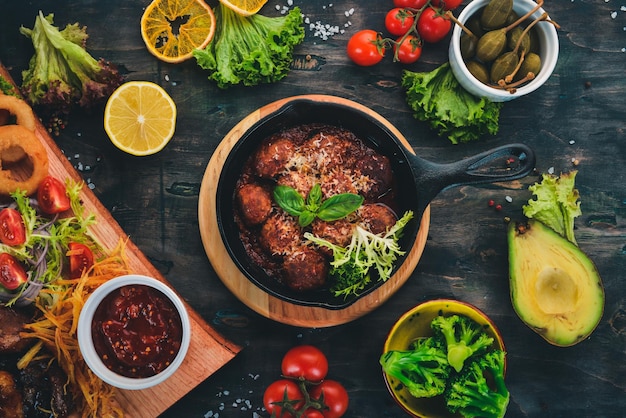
[555,288]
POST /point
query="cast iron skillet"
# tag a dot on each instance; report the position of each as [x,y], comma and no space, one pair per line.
[419,181]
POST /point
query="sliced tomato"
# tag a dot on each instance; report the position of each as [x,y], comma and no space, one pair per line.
[12,274]
[52,196]
[12,230]
[81,259]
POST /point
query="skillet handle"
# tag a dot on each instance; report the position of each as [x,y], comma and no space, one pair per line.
[504,163]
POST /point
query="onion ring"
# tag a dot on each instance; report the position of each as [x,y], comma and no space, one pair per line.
[20,176]
[11,105]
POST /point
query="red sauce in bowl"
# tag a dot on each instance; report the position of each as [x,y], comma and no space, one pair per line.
[137,331]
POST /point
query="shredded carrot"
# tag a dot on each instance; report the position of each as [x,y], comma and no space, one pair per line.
[55,329]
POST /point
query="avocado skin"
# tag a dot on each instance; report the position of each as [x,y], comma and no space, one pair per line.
[555,288]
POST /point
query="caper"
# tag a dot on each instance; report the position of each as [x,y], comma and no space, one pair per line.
[517,35]
[490,45]
[534,40]
[494,15]
[473,24]
[468,46]
[478,70]
[531,64]
[504,66]
[511,18]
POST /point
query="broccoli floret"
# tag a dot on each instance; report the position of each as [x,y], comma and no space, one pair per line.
[423,369]
[61,72]
[479,390]
[463,338]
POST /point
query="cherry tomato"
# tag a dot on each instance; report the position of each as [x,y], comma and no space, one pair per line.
[409,51]
[81,259]
[282,390]
[447,4]
[312,413]
[305,362]
[52,196]
[366,48]
[12,274]
[398,21]
[414,4]
[432,27]
[12,230]
[333,395]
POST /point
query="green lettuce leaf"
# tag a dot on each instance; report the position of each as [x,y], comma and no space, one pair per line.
[437,97]
[250,50]
[557,203]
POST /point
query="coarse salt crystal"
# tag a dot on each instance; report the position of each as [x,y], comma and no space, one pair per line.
[508,199]
[551,170]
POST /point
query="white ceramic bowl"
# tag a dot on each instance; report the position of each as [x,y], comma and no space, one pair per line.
[548,51]
[86,344]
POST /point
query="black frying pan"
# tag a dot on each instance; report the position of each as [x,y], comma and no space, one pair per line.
[419,181]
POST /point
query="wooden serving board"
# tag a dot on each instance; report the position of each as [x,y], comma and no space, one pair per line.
[255,297]
[208,351]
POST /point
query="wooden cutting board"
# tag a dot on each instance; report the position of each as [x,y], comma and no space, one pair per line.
[255,297]
[208,351]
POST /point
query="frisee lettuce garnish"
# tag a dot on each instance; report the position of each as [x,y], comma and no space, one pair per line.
[351,265]
[556,203]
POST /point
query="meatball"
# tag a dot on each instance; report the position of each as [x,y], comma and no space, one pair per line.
[298,181]
[336,182]
[255,203]
[305,269]
[327,151]
[377,168]
[337,232]
[280,234]
[377,218]
[273,156]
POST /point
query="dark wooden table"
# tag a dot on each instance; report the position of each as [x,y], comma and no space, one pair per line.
[579,114]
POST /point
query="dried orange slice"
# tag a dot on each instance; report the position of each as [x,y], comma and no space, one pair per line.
[244,7]
[140,118]
[172,29]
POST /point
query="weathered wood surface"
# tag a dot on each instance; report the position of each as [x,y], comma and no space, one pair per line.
[578,115]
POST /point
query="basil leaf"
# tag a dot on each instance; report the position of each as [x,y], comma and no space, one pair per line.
[339,206]
[314,198]
[289,200]
[306,218]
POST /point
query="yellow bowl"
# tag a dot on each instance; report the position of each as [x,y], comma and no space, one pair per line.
[415,324]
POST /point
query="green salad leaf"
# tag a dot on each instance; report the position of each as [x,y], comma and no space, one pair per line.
[351,265]
[556,203]
[250,50]
[437,97]
[47,242]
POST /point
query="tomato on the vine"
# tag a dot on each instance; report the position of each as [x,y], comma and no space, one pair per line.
[432,26]
[413,4]
[312,413]
[333,395]
[81,259]
[447,4]
[305,362]
[407,50]
[366,48]
[280,393]
[12,274]
[52,196]
[398,21]
[12,230]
